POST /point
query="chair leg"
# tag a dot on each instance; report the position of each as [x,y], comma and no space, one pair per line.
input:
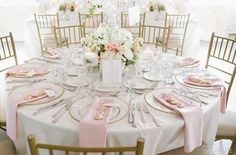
[233,146]
[177,52]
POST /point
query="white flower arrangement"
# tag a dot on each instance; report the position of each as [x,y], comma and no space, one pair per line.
[94,6]
[111,42]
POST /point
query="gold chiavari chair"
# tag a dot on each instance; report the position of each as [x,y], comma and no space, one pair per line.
[222,60]
[34,148]
[134,29]
[90,21]
[155,35]
[7,51]
[233,35]
[45,24]
[179,25]
[73,34]
[7,146]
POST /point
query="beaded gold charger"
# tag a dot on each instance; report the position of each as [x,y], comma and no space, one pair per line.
[150,100]
[26,90]
[80,108]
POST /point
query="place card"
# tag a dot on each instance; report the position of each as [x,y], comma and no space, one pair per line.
[111,71]
[134,15]
[50,93]
[31,73]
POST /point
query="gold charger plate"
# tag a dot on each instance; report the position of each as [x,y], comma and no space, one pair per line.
[28,65]
[82,106]
[180,80]
[26,88]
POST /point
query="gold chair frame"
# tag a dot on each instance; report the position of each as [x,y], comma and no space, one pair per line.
[34,148]
[72,34]
[46,22]
[125,23]
[8,49]
[227,55]
[176,22]
[157,35]
[212,53]
[97,19]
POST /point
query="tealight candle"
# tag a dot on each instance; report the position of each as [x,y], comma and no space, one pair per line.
[91,57]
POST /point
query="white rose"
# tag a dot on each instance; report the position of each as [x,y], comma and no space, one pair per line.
[129,54]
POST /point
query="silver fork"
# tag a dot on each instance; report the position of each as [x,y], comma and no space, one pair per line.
[145,109]
[140,109]
[134,113]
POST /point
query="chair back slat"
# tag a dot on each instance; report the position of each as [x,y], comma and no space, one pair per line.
[34,148]
[155,35]
[7,51]
[71,34]
[50,151]
[45,24]
[221,58]
[178,24]
[90,21]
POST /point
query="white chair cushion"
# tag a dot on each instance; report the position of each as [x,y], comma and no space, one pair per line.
[175,41]
[227,124]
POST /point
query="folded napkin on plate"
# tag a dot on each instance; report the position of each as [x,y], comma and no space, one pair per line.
[93,126]
[209,82]
[188,62]
[193,119]
[51,54]
[14,101]
[26,71]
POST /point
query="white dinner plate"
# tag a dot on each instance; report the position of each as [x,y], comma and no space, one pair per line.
[139,84]
[151,76]
[59,91]
[201,73]
[81,107]
[106,87]
[77,81]
[154,104]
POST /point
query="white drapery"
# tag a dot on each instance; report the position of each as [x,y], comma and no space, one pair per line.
[213,15]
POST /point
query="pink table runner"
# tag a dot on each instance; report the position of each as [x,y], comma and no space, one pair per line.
[25,70]
[14,101]
[93,131]
[193,119]
[209,82]
[188,62]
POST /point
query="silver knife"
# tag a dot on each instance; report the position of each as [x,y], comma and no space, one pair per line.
[130,118]
[56,104]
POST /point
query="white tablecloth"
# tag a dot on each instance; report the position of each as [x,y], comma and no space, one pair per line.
[157,139]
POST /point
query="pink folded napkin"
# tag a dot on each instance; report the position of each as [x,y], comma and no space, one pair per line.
[93,126]
[26,71]
[193,119]
[209,82]
[14,101]
[188,62]
[51,54]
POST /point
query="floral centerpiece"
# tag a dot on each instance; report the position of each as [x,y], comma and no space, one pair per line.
[94,6]
[156,6]
[67,7]
[111,42]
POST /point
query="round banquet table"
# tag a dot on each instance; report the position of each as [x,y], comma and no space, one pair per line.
[169,136]
[32,46]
